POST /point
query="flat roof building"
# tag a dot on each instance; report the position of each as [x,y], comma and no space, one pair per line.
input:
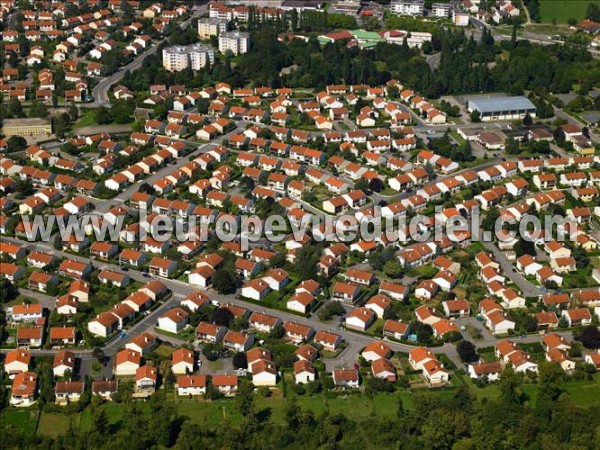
[347,7]
[301,5]
[208,27]
[194,56]
[237,42]
[502,108]
[35,126]
[408,7]
[441,9]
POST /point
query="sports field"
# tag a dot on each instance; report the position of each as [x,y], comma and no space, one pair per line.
[562,10]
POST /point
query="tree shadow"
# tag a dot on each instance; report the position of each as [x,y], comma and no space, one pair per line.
[264,414]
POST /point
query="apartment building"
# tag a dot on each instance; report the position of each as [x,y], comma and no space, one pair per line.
[195,56]
[211,27]
[237,42]
[408,7]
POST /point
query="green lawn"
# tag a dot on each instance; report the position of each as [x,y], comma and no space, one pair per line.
[24,419]
[562,10]
[56,424]
[583,392]
[114,413]
[164,351]
[358,407]
[87,119]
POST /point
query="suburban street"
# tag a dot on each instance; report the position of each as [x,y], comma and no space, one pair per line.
[529,290]
[179,289]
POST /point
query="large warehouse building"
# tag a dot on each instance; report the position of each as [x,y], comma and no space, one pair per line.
[502,108]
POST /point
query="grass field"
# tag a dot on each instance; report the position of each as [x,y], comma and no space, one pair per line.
[24,419]
[87,119]
[562,10]
[585,393]
[358,407]
[56,424]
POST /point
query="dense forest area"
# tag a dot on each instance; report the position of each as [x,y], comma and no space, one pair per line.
[466,65]
[458,421]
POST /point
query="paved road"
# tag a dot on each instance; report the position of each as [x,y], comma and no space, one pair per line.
[45,300]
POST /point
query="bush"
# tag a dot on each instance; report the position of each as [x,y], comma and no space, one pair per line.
[299,389]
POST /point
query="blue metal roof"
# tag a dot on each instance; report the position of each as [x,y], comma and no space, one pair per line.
[488,105]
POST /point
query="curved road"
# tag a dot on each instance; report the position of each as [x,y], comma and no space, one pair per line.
[100,91]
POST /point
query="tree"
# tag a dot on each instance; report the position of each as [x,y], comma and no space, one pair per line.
[277,332]
[524,247]
[98,354]
[15,109]
[38,109]
[431,173]
[73,112]
[247,183]
[593,12]
[60,124]
[362,185]
[427,47]
[467,351]
[223,317]
[475,116]
[489,223]
[513,35]
[509,386]
[581,258]
[292,414]
[330,309]
[527,120]
[512,146]
[393,268]
[8,291]
[306,262]
[423,332]
[225,281]
[244,398]
[399,408]
[121,112]
[238,324]
[589,337]
[103,116]
[375,384]
[170,378]
[240,361]
[211,351]
[16,144]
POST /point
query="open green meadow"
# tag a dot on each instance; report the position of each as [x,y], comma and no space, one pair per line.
[562,10]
